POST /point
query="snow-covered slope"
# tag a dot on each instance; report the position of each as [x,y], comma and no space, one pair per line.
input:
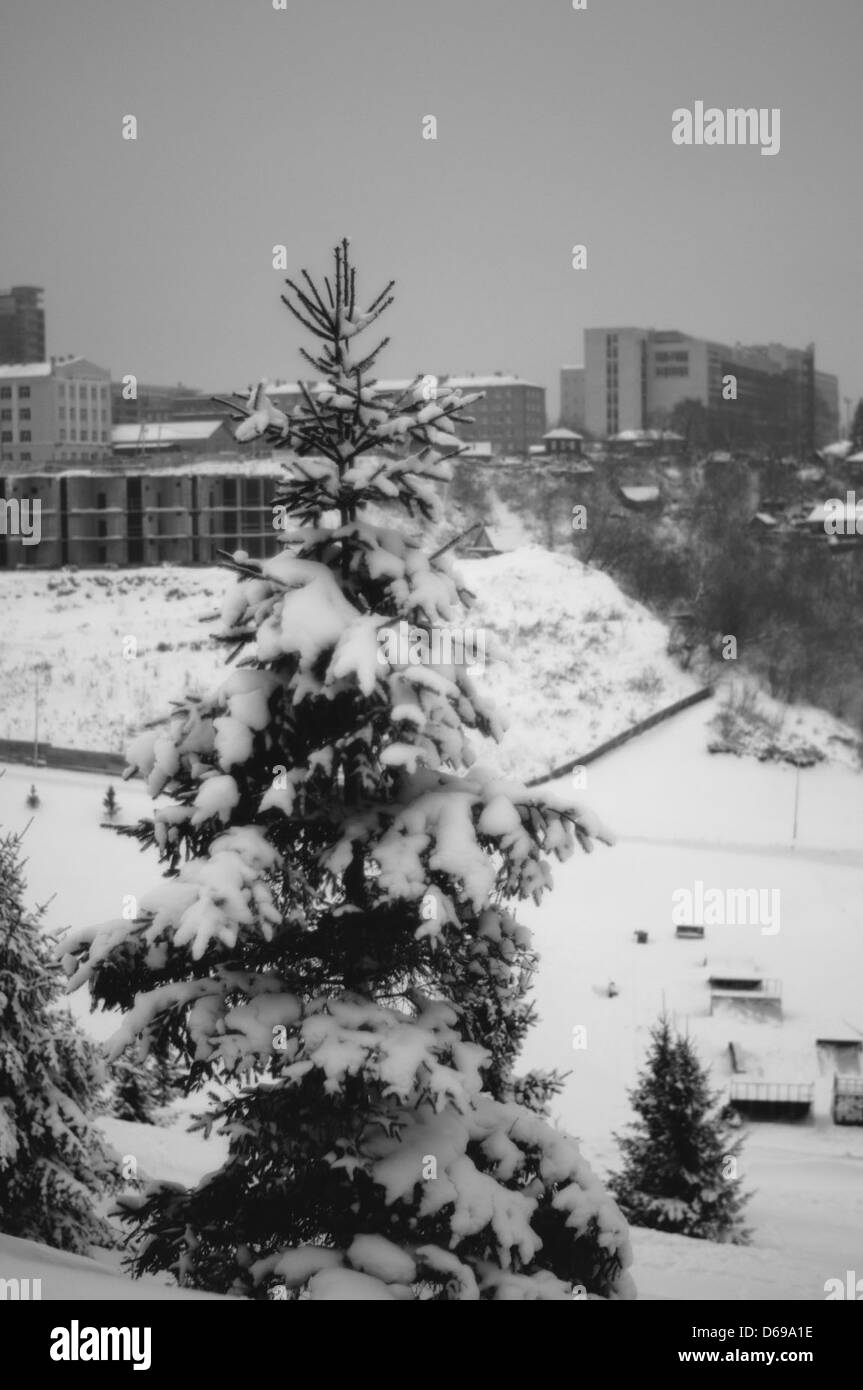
[577,661]
[682,815]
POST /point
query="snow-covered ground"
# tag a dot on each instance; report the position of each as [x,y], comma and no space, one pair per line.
[681,815]
[582,658]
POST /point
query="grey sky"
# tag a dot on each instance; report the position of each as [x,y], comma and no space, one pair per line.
[554,127]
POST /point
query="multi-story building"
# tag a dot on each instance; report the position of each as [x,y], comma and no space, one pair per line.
[572,381]
[157,404]
[635,377]
[53,412]
[22,325]
[510,414]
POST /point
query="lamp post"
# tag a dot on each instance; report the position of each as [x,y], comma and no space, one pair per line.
[43,666]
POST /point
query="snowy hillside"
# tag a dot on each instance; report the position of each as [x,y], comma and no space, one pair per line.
[577,661]
[718,820]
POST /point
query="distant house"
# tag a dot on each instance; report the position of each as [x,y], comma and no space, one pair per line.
[173,436]
[480,452]
[763,521]
[477,543]
[563,443]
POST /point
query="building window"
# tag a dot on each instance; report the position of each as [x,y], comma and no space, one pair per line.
[6,437]
[84,436]
[102,499]
[73,435]
[5,414]
[5,393]
[84,415]
[24,391]
[62,412]
[25,458]
[25,436]
[62,436]
[24,414]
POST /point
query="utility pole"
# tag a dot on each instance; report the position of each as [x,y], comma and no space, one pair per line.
[796,806]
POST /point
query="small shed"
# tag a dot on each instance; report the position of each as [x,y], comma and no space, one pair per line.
[477,543]
[563,443]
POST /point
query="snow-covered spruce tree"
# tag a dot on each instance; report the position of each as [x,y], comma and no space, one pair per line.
[336,928]
[680,1160]
[52,1162]
[140,1089]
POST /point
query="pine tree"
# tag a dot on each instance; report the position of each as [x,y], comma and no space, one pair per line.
[52,1163]
[141,1088]
[335,946]
[109,803]
[33,797]
[680,1160]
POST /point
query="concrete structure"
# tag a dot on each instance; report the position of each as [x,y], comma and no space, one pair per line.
[53,412]
[22,325]
[635,377]
[572,385]
[179,515]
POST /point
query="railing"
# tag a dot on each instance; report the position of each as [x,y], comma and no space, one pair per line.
[773,1092]
[848,1085]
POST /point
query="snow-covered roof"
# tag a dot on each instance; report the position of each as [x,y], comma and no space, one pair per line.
[765,519]
[839,450]
[855,458]
[25,369]
[562,434]
[644,436]
[162,432]
[481,449]
[641,494]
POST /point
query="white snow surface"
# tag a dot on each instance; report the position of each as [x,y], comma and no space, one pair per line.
[680,815]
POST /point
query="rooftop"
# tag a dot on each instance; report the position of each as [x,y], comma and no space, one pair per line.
[163,432]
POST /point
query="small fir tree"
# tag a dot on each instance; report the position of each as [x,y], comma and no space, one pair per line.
[33,797]
[141,1088]
[109,804]
[680,1160]
[52,1162]
[335,940]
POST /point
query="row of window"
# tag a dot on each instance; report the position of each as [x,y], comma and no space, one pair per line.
[7,393]
[87,436]
[84,413]
[94,436]
[23,414]
[671,371]
[95,388]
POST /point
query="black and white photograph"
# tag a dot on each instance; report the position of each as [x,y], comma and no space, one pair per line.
[431,667]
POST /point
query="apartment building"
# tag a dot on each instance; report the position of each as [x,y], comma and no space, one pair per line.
[53,412]
[634,378]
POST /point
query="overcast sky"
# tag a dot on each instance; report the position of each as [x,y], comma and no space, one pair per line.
[259,127]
